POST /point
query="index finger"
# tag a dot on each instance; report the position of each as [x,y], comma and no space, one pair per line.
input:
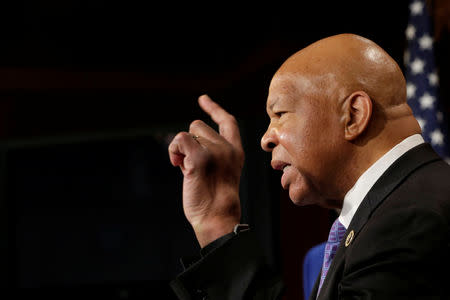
[228,127]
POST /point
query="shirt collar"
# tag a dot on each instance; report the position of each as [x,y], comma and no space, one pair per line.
[356,194]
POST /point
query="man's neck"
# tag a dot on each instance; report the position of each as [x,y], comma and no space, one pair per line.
[368,178]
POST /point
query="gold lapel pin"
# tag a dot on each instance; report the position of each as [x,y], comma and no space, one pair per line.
[349,238]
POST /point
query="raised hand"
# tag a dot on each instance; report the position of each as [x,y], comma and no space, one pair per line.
[211,163]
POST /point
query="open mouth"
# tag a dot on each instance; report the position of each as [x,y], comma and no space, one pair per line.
[287,165]
[279,165]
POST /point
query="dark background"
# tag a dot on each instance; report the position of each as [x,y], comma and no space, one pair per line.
[91,93]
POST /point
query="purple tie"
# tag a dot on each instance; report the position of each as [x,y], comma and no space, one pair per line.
[337,232]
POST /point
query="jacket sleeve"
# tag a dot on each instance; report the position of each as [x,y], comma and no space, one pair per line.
[234,270]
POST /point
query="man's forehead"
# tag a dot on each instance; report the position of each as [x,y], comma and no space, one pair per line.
[296,85]
[283,81]
[299,82]
[279,86]
[288,87]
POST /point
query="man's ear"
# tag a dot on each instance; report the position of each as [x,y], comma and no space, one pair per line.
[357,111]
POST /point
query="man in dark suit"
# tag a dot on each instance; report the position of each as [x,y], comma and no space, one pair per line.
[344,137]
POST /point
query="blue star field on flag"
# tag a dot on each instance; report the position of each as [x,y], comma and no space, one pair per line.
[422,80]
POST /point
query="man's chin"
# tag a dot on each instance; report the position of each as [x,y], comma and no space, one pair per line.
[301,197]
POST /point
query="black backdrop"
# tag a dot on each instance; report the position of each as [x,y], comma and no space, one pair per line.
[100,82]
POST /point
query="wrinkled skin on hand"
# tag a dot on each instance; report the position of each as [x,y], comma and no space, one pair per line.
[211,163]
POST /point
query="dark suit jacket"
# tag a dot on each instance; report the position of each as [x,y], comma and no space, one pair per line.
[400,247]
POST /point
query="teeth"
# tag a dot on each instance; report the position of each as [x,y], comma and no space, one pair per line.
[285,167]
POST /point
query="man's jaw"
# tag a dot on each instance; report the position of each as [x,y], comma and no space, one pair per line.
[300,192]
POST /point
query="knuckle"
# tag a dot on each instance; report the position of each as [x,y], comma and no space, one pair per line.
[231,119]
[182,136]
[195,124]
[172,145]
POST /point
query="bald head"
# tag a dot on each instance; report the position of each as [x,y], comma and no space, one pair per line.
[348,62]
[338,104]
[338,65]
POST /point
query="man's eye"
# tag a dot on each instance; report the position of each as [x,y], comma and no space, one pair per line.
[280,113]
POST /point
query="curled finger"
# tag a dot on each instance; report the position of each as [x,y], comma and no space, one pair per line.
[183,145]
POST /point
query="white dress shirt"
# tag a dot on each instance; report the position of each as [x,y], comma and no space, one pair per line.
[356,194]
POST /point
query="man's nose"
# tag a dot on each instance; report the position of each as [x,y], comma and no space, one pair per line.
[269,139]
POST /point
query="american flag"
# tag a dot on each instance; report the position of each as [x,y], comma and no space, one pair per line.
[422,79]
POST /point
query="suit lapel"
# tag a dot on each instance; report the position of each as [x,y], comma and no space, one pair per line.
[394,175]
